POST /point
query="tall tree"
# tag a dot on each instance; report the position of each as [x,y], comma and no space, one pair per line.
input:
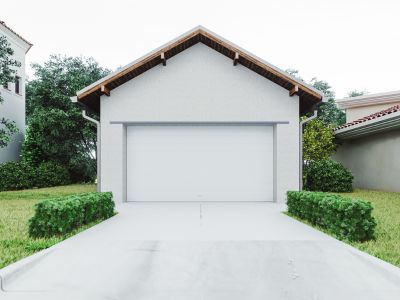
[7,74]
[295,73]
[356,93]
[56,129]
[328,112]
[318,141]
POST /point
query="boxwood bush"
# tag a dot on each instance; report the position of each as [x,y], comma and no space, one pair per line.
[346,218]
[21,175]
[16,176]
[51,174]
[58,216]
[327,176]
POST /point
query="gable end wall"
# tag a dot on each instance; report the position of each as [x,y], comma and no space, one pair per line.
[199,85]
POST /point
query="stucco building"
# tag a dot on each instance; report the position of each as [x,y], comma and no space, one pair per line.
[371,140]
[13,94]
[199,119]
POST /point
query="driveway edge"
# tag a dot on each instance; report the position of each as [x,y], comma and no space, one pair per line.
[373,259]
[14,270]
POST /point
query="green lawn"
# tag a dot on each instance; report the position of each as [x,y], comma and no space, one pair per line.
[16,208]
[386,244]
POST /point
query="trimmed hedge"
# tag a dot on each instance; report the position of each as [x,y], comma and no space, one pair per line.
[51,174]
[21,175]
[61,215]
[16,176]
[327,176]
[346,218]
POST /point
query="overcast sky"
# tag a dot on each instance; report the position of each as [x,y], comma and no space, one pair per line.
[351,44]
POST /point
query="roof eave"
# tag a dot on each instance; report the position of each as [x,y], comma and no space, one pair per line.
[19,37]
[94,88]
[382,124]
[370,99]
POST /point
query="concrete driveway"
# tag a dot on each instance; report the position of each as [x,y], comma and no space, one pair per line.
[201,251]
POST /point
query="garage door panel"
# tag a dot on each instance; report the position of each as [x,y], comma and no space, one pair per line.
[199,163]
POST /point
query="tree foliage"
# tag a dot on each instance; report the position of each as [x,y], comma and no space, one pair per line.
[56,129]
[327,175]
[7,74]
[356,93]
[318,141]
[328,112]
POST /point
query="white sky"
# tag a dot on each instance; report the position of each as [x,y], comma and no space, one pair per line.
[353,44]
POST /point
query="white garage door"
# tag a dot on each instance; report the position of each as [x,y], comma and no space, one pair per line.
[200,163]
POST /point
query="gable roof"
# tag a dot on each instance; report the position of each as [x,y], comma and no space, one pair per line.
[377,122]
[90,96]
[17,35]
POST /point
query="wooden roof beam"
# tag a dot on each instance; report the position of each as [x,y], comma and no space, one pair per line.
[105,91]
[163,59]
[294,91]
[236,59]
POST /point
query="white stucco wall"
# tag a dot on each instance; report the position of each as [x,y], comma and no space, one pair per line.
[13,107]
[199,85]
[373,160]
[355,113]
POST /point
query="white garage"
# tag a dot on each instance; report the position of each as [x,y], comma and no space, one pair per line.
[198,119]
[200,163]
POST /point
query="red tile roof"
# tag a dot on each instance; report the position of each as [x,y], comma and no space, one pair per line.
[4,24]
[376,115]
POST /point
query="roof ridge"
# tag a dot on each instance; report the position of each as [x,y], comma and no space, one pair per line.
[308,94]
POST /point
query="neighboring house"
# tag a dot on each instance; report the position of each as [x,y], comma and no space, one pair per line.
[199,119]
[13,94]
[371,143]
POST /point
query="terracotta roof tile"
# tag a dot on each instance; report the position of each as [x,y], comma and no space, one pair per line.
[373,116]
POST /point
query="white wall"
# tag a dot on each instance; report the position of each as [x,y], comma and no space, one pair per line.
[355,113]
[373,160]
[199,85]
[13,107]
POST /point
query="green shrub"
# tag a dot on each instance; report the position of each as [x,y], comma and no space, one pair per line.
[327,176]
[22,175]
[51,174]
[346,218]
[16,176]
[61,215]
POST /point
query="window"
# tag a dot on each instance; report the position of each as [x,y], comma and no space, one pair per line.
[5,85]
[17,84]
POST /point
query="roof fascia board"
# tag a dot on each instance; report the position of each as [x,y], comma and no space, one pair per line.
[17,38]
[197,30]
[146,56]
[370,130]
[254,57]
[384,123]
[367,100]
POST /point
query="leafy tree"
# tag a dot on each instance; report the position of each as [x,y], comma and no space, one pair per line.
[328,112]
[7,74]
[56,129]
[318,141]
[356,93]
[295,73]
